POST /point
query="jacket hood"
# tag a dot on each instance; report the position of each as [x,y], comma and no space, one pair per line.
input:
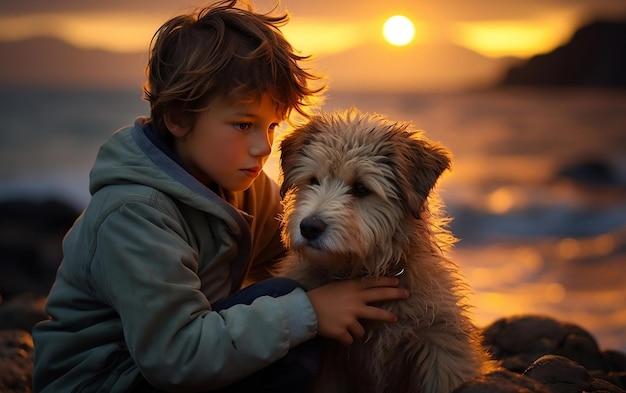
[135,155]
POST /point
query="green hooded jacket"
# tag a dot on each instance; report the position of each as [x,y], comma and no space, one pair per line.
[143,264]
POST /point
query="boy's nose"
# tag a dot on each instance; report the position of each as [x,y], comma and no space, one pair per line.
[261,146]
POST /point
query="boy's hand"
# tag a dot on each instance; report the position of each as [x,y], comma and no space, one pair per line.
[340,305]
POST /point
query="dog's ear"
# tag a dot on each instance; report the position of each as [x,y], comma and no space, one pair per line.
[289,147]
[424,163]
[287,151]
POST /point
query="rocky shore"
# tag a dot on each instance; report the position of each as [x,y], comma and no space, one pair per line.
[538,353]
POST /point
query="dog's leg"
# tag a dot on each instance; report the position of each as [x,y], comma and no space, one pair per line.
[332,377]
[443,361]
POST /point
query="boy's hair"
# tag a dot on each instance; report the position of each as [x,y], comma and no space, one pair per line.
[222,51]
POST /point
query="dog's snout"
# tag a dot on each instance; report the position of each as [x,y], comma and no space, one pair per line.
[311,228]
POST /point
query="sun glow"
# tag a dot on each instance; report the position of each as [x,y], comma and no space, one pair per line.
[114,32]
[320,38]
[132,33]
[513,38]
[399,30]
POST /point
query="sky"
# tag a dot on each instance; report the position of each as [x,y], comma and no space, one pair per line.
[334,31]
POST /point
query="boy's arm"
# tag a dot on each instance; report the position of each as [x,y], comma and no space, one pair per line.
[146,270]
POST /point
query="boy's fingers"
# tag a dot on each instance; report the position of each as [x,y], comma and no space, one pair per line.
[346,338]
[378,314]
[356,331]
[380,294]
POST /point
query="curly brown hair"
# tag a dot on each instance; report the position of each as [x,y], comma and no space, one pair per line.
[222,51]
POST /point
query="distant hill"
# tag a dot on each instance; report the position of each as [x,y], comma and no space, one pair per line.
[48,62]
[595,57]
[382,67]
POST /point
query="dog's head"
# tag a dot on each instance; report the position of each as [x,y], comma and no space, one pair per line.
[350,180]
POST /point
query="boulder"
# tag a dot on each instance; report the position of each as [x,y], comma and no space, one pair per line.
[31,234]
[520,340]
[16,358]
[594,57]
[562,375]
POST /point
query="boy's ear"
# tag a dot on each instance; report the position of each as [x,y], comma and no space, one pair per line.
[177,122]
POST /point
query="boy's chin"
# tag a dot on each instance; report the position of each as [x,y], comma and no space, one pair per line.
[239,187]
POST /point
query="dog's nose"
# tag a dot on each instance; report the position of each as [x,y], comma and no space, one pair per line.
[311,228]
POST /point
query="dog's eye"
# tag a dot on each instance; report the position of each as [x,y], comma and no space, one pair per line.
[314,182]
[359,190]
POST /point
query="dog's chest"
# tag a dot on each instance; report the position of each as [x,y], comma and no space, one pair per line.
[377,363]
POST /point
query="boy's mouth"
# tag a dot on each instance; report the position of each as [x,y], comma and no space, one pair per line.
[251,172]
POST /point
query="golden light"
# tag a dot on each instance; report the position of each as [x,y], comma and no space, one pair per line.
[502,200]
[603,244]
[492,304]
[569,248]
[529,258]
[398,30]
[129,32]
[108,31]
[319,38]
[513,38]
[555,292]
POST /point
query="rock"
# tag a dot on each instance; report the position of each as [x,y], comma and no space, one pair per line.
[615,360]
[514,340]
[595,56]
[519,341]
[16,358]
[502,381]
[18,315]
[31,234]
[22,311]
[615,378]
[559,356]
[590,172]
[562,375]
[616,368]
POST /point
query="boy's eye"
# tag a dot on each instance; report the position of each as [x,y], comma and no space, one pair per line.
[272,128]
[242,126]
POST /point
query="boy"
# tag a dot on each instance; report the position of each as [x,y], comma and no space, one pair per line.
[148,296]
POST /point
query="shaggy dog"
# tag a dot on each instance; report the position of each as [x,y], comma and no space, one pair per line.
[358,203]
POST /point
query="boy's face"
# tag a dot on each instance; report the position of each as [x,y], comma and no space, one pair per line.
[229,143]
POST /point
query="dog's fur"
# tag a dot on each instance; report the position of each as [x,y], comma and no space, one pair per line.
[358,202]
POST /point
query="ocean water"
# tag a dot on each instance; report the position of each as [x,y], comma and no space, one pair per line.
[537,189]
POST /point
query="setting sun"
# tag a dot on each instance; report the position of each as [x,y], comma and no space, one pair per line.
[399,30]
